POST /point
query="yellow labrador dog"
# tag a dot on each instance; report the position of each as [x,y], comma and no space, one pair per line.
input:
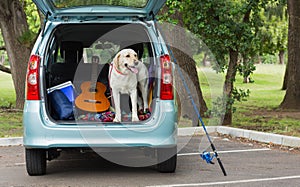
[126,74]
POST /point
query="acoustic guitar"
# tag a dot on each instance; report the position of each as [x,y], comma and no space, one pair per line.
[92,97]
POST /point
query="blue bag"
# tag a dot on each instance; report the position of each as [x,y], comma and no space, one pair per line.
[62,107]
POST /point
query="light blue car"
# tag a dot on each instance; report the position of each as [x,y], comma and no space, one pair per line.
[75,33]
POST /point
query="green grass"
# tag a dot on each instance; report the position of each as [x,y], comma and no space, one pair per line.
[266,90]
[7,93]
[260,111]
[211,84]
[10,124]
[10,121]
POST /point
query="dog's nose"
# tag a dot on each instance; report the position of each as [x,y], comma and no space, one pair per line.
[136,63]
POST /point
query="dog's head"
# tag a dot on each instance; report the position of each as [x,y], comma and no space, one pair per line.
[127,61]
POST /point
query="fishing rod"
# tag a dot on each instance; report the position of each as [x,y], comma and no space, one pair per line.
[205,155]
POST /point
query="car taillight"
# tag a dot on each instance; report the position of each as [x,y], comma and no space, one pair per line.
[32,78]
[166,90]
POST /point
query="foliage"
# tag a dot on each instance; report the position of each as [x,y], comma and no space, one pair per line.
[27,39]
[218,108]
[33,18]
[173,6]
[246,69]
[274,32]
[229,28]
[225,25]
[240,95]
[269,59]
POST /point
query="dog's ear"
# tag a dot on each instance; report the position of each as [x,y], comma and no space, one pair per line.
[116,59]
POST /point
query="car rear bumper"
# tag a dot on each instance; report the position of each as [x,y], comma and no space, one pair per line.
[159,131]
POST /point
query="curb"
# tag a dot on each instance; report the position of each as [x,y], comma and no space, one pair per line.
[11,141]
[263,137]
[190,131]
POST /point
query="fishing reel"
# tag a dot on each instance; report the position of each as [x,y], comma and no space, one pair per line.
[208,157]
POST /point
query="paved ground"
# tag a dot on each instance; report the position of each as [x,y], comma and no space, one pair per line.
[247,164]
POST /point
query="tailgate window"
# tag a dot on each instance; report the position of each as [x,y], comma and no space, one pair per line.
[77,3]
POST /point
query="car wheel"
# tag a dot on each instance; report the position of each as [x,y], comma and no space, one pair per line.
[167,160]
[36,161]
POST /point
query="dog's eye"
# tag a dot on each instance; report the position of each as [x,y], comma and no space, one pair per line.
[127,56]
[135,55]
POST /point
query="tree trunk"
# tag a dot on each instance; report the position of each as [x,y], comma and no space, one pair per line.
[285,79]
[292,96]
[177,38]
[281,57]
[259,60]
[204,61]
[187,64]
[188,67]
[13,25]
[246,79]
[228,86]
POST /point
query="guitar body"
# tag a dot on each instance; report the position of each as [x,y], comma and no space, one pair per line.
[92,97]
[92,100]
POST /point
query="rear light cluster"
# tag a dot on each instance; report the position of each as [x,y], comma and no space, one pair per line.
[32,78]
[166,90]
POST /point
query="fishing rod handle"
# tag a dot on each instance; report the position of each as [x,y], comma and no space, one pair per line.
[222,167]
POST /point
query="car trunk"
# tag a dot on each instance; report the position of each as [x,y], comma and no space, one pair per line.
[68,64]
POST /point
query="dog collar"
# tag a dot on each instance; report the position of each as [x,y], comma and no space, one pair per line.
[119,71]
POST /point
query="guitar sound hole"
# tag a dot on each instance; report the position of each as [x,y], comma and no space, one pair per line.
[93,90]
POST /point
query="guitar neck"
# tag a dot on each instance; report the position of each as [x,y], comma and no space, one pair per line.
[94,75]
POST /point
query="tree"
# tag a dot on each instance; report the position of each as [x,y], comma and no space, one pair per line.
[275,29]
[272,35]
[229,28]
[292,96]
[18,39]
[178,39]
[285,78]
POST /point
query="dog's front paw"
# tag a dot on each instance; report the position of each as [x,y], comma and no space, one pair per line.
[135,119]
[117,120]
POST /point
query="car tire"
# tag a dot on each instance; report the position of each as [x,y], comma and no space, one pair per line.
[167,160]
[36,162]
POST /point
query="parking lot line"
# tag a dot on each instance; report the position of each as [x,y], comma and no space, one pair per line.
[231,182]
[230,151]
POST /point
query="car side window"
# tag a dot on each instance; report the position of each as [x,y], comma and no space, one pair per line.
[52,53]
[59,58]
